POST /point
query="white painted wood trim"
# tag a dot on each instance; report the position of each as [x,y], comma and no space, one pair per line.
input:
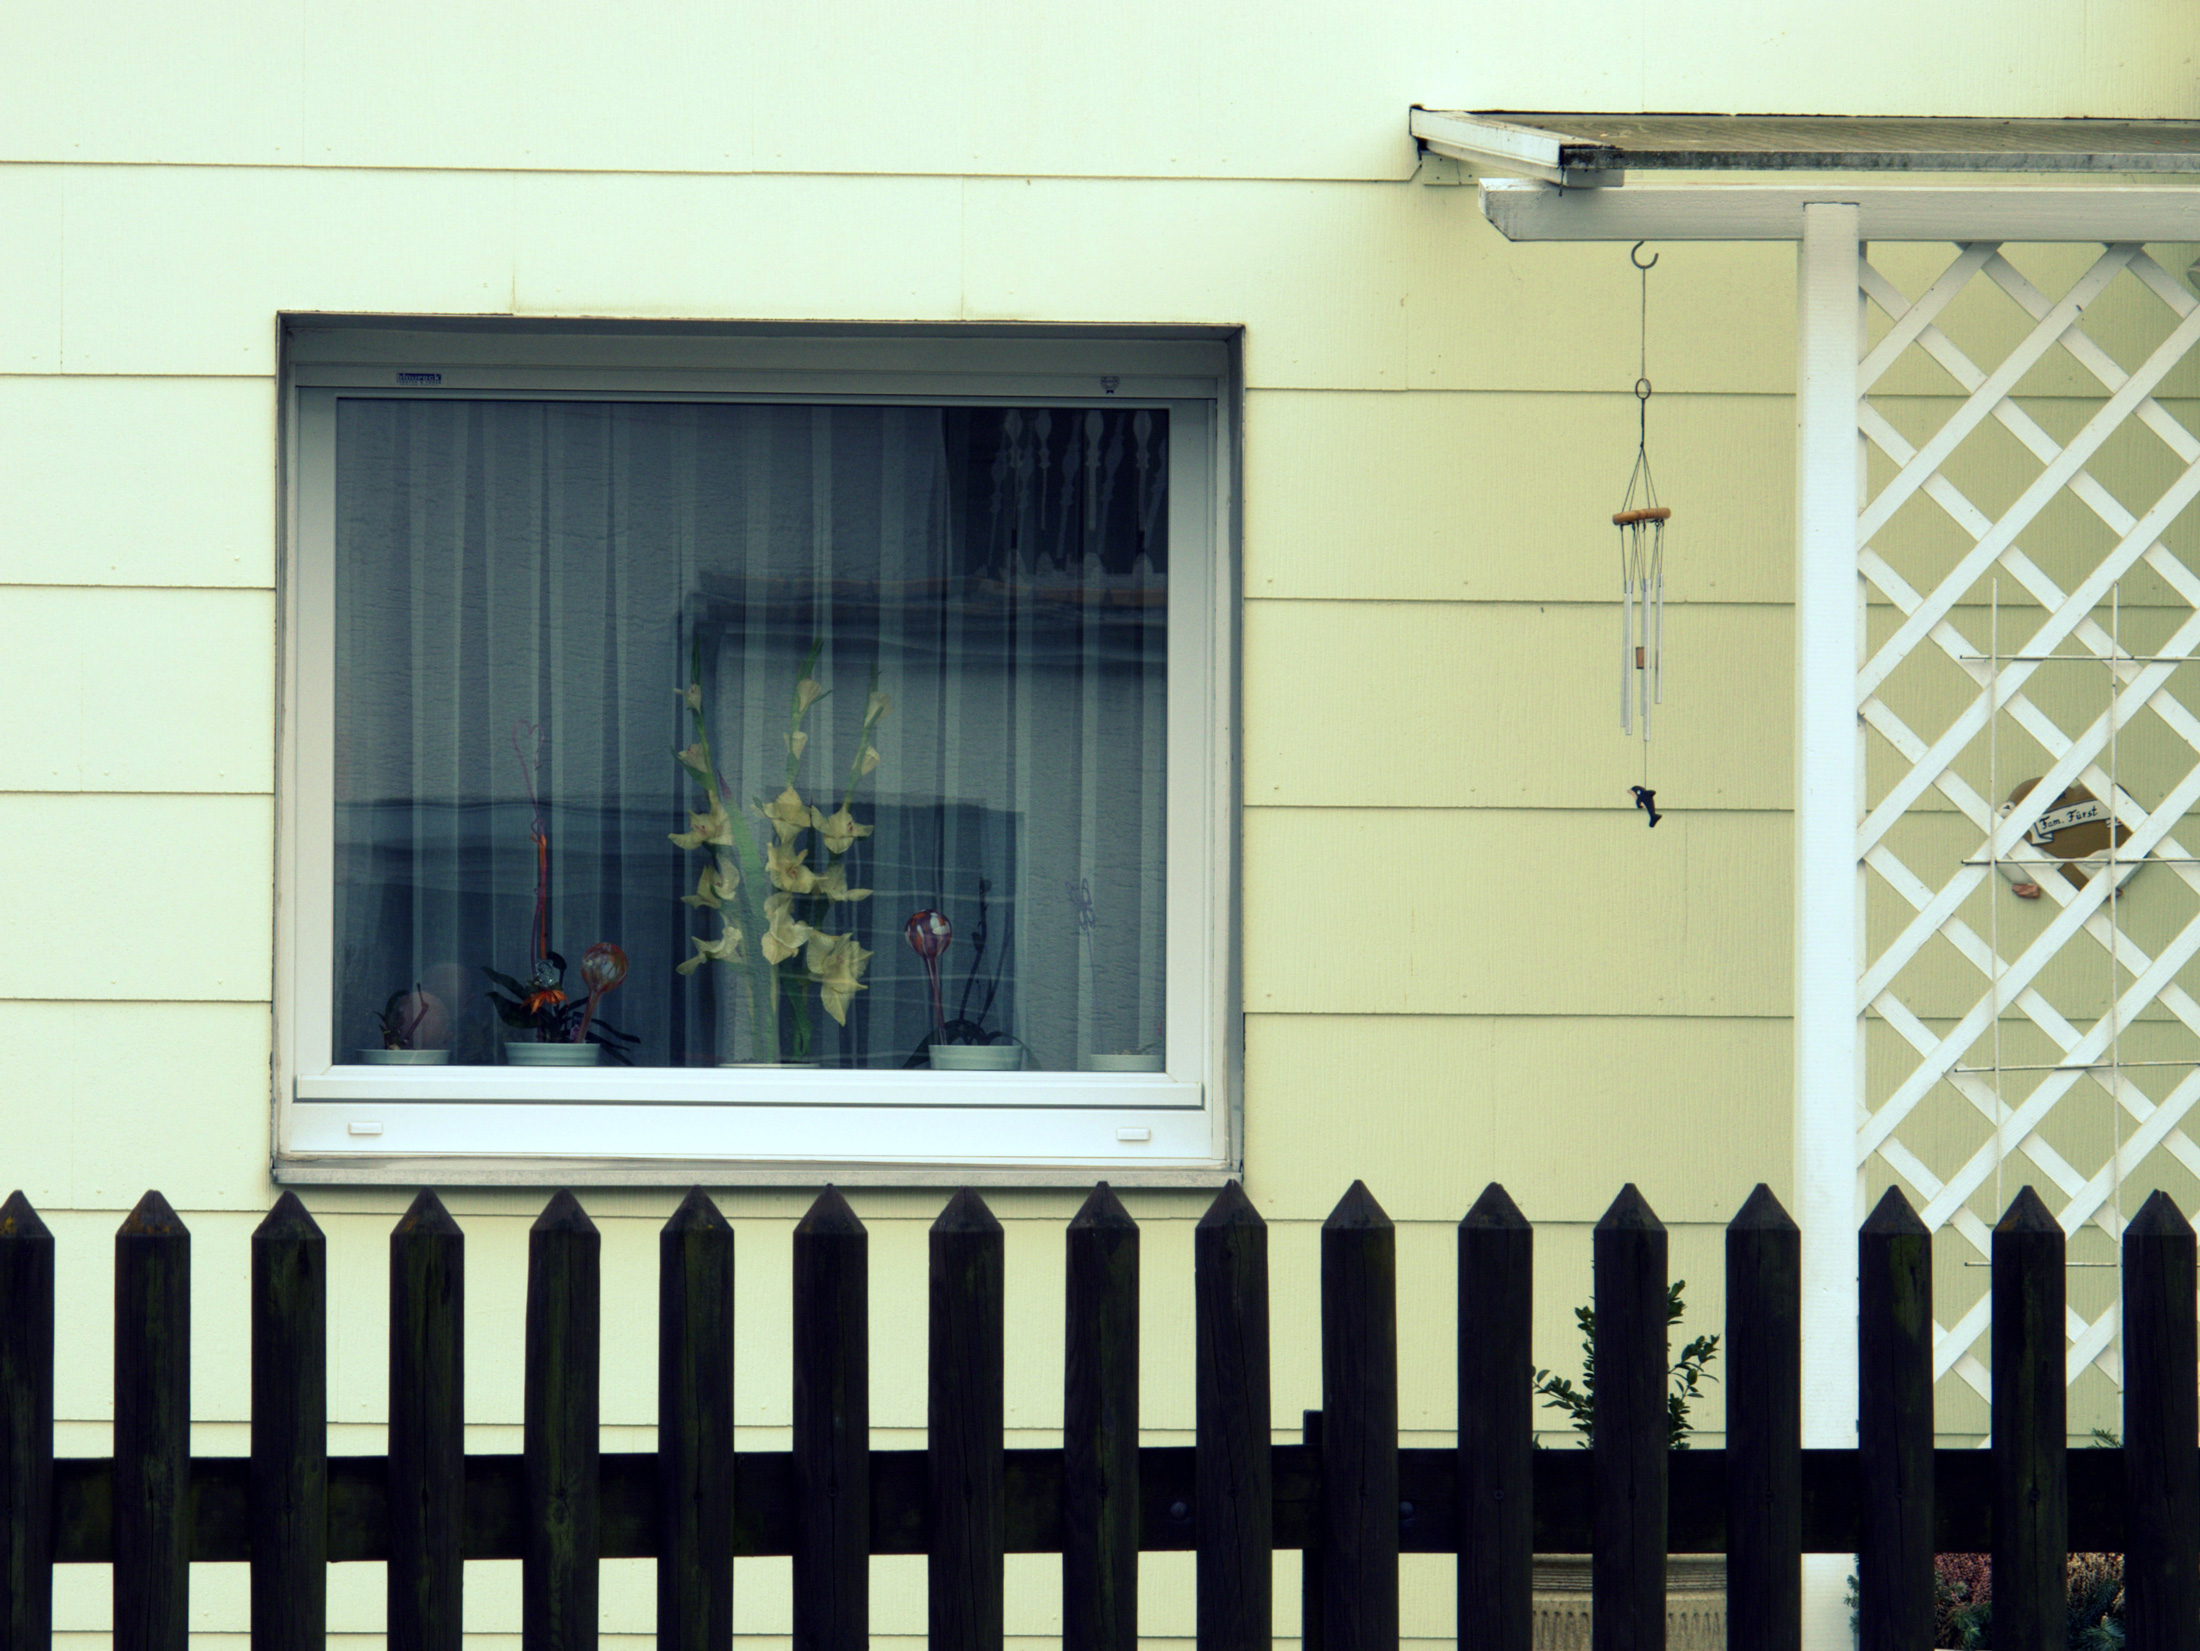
[2001,211]
[611,1126]
[1829,878]
[1828,807]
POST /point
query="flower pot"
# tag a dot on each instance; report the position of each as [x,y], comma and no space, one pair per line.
[550,1054]
[977,1057]
[1145,1060]
[404,1057]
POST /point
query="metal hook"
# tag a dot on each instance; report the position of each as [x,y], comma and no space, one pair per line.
[1637,262]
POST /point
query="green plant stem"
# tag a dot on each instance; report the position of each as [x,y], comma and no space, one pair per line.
[763,1004]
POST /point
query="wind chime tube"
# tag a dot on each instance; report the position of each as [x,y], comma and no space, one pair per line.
[1657,643]
[1626,652]
[1642,675]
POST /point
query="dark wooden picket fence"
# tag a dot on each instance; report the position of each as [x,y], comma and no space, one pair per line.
[1347,1495]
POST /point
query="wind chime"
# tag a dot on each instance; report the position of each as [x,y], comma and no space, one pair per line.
[1641,521]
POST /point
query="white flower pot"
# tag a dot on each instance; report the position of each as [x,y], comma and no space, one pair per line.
[550,1054]
[404,1057]
[1144,1061]
[977,1057]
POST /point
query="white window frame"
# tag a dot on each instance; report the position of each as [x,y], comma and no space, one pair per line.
[338,1122]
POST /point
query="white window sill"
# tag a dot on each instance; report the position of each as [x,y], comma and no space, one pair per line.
[495,1126]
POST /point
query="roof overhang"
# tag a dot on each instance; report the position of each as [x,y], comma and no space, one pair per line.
[1590,149]
[1581,177]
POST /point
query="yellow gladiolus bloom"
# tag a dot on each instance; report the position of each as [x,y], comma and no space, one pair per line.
[837,963]
[785,938]
[807,693]
[725,949]
[833,884]
[714,886]
[788,813]
[787,869]
[712,830]
[838,829]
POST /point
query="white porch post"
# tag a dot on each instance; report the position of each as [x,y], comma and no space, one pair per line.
[1829,796]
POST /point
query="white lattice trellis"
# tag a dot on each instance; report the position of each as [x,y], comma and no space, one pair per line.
[2058,620]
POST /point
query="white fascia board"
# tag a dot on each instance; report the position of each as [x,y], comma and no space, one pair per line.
[1524,211]
[1503,146]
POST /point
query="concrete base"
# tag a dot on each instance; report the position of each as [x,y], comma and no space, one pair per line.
[1695,1602]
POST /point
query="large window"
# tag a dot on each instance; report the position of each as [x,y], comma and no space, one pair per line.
[780,768]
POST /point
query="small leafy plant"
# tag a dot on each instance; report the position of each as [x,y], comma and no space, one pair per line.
[409,1009]
[1689,1371]
[540,1004]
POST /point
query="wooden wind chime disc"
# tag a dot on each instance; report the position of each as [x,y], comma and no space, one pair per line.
[2074,827]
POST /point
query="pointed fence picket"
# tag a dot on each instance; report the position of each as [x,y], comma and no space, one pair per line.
[1346,1494]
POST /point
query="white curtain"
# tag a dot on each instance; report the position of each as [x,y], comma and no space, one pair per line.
[521,589]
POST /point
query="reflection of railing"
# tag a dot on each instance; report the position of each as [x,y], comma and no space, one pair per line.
[1347,1494]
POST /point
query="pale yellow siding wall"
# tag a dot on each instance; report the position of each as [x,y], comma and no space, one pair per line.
[1464,957]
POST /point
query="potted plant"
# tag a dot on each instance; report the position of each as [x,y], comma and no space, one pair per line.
[561,1031]
[963,1043]
[413,1025]
[553,1028]
[1144,1057]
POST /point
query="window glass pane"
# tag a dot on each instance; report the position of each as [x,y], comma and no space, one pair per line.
[926,650]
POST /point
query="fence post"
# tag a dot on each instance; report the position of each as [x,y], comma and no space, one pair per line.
[1233,1476]
[563,1539]
[695,1428]
[1894,1264]
[2161,1420]
[2030,1411]
[26,1427]
[832,1429]
[152,1475]
[289,1430]
[1496,1426]
[427,1466]
[1359,1503]
[965,1416]
[1100,1429]
[1764,1426]
[1628,1499]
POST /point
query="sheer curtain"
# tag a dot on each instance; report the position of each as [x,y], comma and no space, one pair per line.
[524,590]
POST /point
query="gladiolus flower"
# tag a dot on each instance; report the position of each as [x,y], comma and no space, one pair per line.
[694,760]
[725,949]
[691,696]
[877,706]
[870,758]
[714,886]
[787,869]
[797,742]
[784,938]
[807,693]
[838,829]
[837,963]
[833,884]
[789,814]
[712,830]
